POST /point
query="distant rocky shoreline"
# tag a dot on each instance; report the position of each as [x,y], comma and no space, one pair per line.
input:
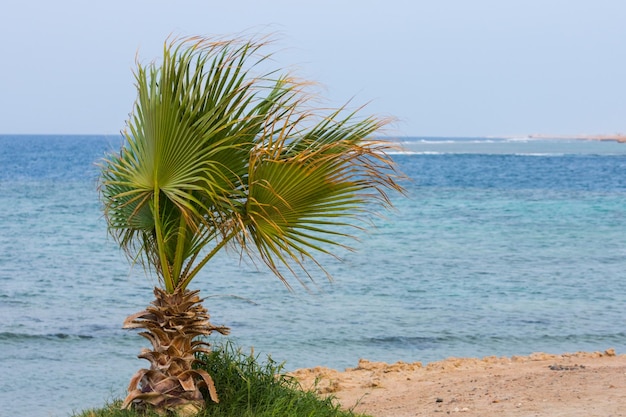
[614,138]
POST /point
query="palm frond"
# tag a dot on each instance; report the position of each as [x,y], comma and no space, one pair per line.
[218,154]
[304,190]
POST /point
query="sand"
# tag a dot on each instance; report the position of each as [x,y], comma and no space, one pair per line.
[578,384]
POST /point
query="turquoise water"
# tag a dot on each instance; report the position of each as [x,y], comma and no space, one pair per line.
[503,247]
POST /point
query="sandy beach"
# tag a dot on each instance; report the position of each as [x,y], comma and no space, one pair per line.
[576,384]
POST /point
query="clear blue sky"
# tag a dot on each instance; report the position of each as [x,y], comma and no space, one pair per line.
[443,68]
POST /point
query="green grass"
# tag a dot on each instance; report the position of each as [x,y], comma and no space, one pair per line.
[248,388]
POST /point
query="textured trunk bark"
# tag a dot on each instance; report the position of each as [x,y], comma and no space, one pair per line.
[172,324]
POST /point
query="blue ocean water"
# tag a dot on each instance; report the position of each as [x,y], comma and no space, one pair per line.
[501,247]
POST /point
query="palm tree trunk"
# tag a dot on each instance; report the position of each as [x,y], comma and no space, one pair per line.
[172,323]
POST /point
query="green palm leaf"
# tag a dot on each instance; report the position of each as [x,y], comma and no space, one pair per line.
[217,153]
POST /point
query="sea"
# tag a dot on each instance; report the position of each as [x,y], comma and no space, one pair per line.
[500,246]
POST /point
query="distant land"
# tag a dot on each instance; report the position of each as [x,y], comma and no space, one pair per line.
[618,137]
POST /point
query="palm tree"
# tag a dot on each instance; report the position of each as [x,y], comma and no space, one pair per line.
[219,153]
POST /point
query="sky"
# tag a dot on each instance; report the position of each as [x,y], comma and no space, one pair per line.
[440,68]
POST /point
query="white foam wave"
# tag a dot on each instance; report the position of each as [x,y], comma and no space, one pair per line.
[539,154]
[416,153]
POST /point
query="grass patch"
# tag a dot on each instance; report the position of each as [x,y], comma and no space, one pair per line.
[248,388]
